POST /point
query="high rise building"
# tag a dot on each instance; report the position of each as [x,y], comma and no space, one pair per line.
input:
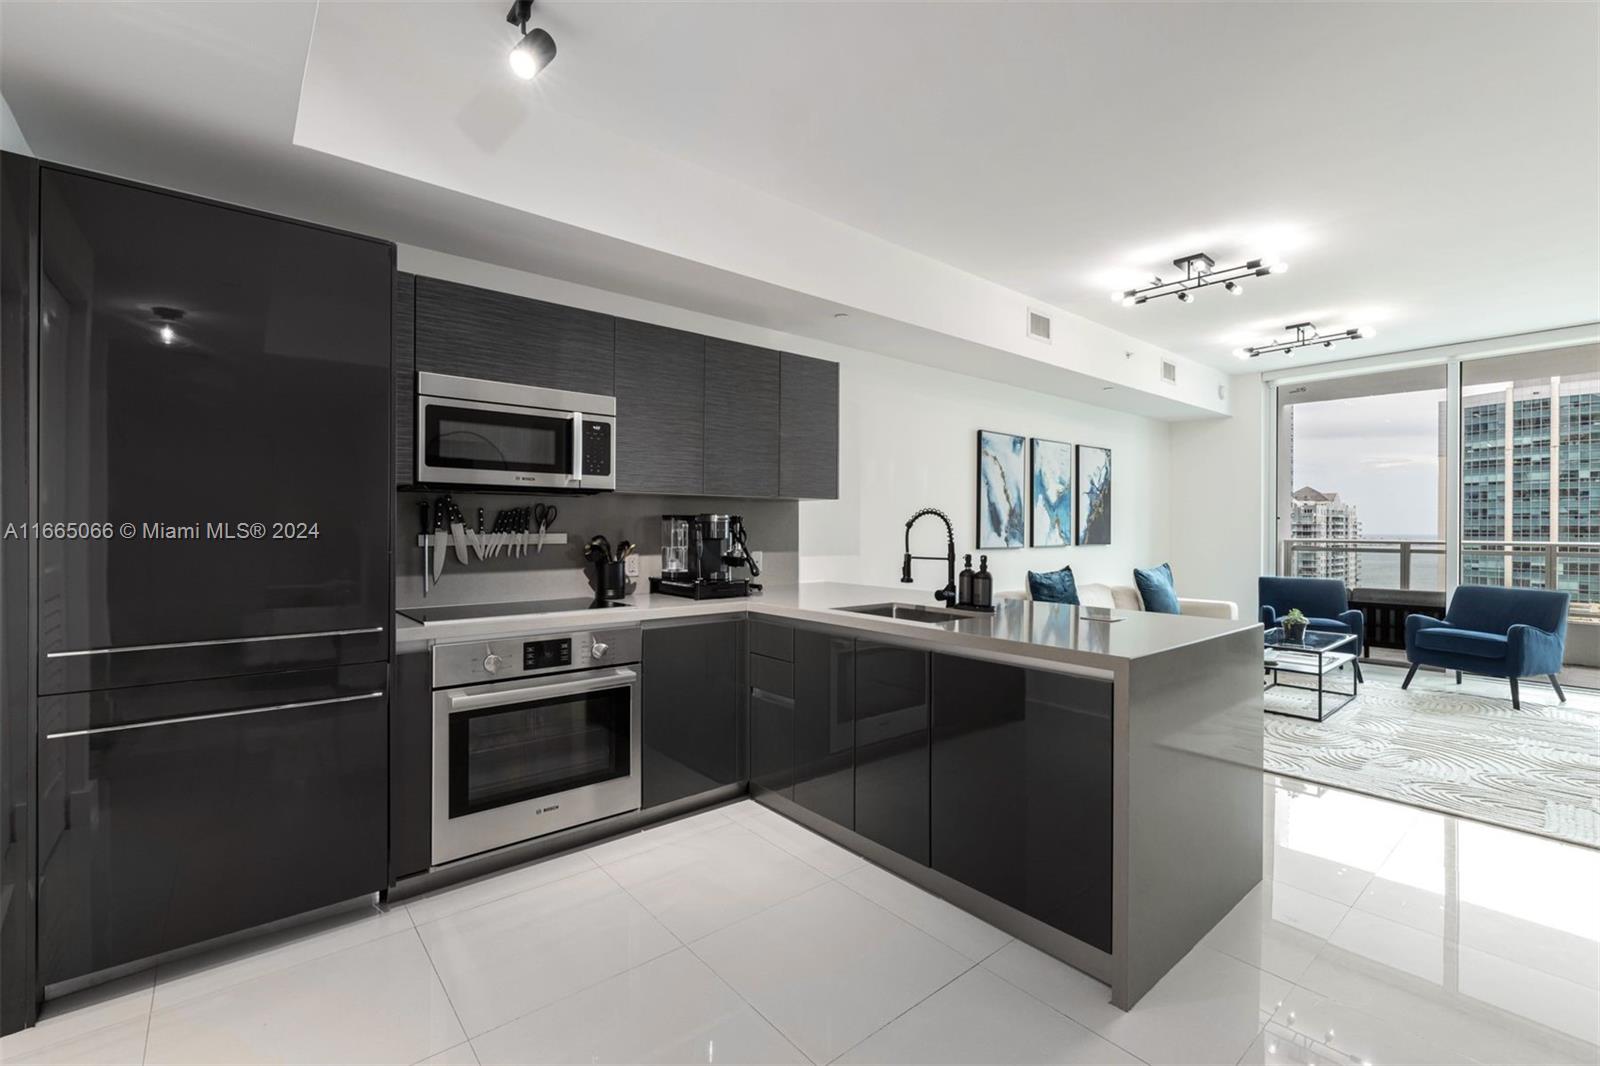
[1530,460]
[1318,515]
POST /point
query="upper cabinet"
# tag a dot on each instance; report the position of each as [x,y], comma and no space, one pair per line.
[809,428]
[661,408]
[478,333]
[695,415]
[742,405]
[405,377]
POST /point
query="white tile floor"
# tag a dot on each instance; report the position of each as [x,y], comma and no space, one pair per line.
[1380,934]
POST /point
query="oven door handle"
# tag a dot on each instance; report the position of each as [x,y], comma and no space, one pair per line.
[577,447]
[543,690]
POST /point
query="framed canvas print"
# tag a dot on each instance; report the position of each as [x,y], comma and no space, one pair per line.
[1094,495]
[1052,493]
[1002,482]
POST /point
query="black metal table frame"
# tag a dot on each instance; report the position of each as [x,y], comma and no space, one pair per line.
[1322,690]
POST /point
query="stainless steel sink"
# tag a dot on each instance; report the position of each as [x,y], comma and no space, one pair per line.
[910,612]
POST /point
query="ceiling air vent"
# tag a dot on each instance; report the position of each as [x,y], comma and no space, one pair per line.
[1039,326]
[1169,372]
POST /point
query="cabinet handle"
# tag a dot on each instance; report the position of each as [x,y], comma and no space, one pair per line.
[771,697]
[207,717]
[212,643]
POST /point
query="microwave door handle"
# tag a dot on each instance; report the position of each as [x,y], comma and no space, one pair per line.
[577,447]
[542,691]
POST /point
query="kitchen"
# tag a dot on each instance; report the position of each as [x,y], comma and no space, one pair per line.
[350,681]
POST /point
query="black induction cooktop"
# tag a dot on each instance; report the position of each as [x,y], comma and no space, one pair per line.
[471,611]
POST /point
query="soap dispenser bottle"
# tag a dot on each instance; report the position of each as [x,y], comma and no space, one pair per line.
[983,585]
[964,583]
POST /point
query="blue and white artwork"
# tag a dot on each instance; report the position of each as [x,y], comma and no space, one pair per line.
[1094,495]
[1052,493]
[1002,483]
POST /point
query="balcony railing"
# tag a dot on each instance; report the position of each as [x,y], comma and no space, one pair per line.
[1402,565]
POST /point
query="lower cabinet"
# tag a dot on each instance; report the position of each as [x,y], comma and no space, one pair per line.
[1021,790]
[694,709]
[892,736]
[171,814]
[825,725]
[772,715]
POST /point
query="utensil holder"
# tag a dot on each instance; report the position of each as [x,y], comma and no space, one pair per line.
[610,581]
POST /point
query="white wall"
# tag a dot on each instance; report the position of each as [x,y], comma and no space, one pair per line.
[11,138]
[1218,500]
[908,439]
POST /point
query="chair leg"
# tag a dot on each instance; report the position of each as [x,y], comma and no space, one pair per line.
[1516,697]
[1458,677]
[1562,696]
[1409,675]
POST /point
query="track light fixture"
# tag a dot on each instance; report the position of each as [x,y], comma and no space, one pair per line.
[536,49]
[1200,270]
[1305,335]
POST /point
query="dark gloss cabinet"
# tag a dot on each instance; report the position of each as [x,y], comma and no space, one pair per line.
[479,333]
[1021,790]
[205,820]
[661,407]
[809,428]
[693,719]
[771,708]
[892,731]
[742,411]
[824,725]
[411,765]
[268,402]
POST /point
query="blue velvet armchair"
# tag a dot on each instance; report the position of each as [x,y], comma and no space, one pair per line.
[1494,631]
[1322,600]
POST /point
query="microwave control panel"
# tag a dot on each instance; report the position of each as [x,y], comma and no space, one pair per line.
[597,448]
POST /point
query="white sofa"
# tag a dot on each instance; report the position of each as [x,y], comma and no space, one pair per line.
[1126,598]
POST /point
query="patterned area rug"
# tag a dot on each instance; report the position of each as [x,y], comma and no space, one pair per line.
[1459,749]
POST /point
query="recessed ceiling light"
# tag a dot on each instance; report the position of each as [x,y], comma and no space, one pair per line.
[536,49]
[841,314]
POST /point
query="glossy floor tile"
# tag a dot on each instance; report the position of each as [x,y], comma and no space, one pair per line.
[1380,934]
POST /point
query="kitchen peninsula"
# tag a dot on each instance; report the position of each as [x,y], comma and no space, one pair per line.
[1086,780]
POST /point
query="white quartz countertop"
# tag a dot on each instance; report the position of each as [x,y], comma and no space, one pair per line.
[1019,628]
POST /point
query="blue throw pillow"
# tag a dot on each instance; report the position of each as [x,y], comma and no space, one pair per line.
[1054,586]
[1155,589]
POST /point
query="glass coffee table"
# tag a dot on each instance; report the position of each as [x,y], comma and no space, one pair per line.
[1317,655]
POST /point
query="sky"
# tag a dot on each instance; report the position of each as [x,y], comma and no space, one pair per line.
[1380,453]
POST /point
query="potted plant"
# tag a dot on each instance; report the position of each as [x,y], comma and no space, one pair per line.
[1294,626]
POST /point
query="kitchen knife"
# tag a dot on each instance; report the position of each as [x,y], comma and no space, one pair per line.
[438,538]
[475,536]
[427,527]
[458,532]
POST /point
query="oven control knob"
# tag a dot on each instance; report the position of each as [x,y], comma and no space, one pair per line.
[598,650]
[492,662]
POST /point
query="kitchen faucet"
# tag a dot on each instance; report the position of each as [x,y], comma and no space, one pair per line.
[948,593]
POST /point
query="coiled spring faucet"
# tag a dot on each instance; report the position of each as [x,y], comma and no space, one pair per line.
[948,593]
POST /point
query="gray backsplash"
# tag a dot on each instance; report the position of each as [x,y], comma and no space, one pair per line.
[773,527]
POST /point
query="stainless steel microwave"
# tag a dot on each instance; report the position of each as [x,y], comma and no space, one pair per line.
[491,433]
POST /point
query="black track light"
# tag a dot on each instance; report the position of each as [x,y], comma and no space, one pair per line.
[1199,271]
[1305,336]
[536,49]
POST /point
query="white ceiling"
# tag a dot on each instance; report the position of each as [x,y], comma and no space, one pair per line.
[1428,169]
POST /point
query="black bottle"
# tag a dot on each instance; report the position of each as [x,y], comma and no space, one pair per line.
[983,585]
[964,582]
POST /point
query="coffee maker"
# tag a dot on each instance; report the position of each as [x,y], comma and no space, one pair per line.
[699,553]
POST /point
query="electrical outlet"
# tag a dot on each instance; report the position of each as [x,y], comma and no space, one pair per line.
[630,566]
[756,558]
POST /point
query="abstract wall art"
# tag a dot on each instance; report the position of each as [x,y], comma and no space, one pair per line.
[1052,493]
[1002,488]
[1094,495]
